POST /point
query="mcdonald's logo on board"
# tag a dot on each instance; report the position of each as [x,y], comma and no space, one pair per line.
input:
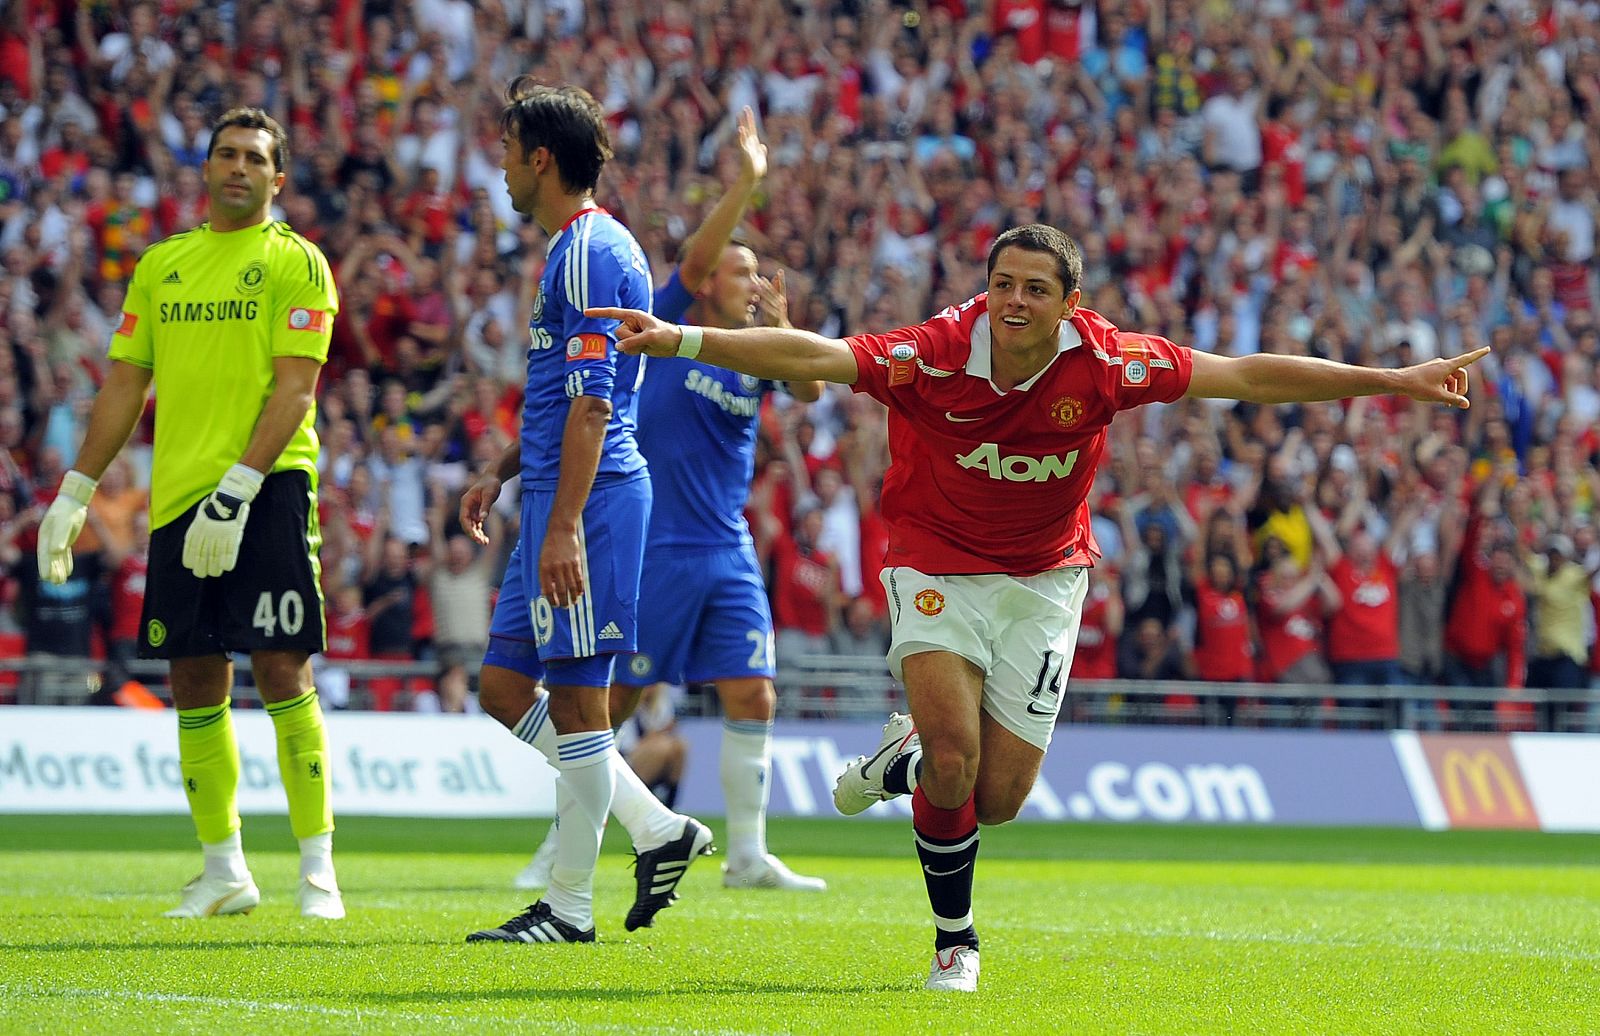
[1479,781]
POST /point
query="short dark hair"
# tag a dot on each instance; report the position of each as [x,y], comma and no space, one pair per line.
[738,240]
[565,119]
[254,118]
[1038,237]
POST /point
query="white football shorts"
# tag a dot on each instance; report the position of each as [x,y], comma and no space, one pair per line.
[1021,631]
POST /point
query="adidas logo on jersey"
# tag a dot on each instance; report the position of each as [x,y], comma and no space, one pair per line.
[610,632]
[172,278]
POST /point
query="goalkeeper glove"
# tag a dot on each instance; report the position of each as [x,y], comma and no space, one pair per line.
[211,546]
[61,525]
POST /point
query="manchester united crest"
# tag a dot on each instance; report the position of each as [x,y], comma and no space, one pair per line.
[1066,411]
[930,601]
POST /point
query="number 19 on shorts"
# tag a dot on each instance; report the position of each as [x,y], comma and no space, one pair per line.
[288,612]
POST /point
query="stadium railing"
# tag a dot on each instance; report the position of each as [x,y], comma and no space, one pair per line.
[853,687]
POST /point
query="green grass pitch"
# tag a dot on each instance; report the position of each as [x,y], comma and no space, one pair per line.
[1085,929]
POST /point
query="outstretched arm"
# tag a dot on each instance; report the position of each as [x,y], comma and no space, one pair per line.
[1269,378]
[703,249]
[775,353]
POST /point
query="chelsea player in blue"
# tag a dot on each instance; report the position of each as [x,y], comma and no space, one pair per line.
[697,429]
[568,602]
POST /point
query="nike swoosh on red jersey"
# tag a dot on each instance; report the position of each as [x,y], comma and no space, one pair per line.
[948,416]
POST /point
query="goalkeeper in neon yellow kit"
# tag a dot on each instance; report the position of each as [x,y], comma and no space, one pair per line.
[231,322]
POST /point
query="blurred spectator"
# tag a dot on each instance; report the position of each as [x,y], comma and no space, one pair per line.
[805,589]
[461,592]
[349,638]
[1558,589]
[862,631]
[653,746]
[1100,629]
[1291,603]
[1486,633]
[1223,630]
[1364,628]
[1150,652]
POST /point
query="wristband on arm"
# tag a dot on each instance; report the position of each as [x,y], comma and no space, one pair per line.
[693,338]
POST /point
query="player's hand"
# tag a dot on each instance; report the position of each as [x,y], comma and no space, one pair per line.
[61,525]
[211,546]
[561,566]
[772,303]
[475,504]
[752,152]
[1441,380]
[640,333]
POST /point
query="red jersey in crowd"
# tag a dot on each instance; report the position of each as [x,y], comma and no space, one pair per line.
[349,635]
[1096,656]
[1023,19]
[801,595]
[1222,635]
[1486,618]
[1286,637]
[985,483]
[874,548]
[127,597]
[1366,626]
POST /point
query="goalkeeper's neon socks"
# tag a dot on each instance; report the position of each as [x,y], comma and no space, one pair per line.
[208,757]
[303,763]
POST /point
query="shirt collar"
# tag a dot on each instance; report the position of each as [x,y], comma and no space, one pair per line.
[586,210]
[980,361]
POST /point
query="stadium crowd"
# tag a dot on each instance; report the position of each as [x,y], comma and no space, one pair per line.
[1378,182]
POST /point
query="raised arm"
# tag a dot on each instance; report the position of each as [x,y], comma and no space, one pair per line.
[1270,378]
[703,248]
[775,353]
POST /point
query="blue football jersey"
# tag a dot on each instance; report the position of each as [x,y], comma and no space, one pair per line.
[697,428]
[592,261]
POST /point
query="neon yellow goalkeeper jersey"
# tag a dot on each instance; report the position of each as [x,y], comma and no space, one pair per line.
[207,312]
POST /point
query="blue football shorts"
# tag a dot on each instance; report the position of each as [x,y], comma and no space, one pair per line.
[706,618]
[578,645]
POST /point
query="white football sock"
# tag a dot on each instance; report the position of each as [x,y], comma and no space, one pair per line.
[585,780]
[650,824]
[316,856]
[225,859]
[746,770]
[536,729]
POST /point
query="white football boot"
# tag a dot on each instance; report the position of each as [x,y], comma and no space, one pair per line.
[213,897]
[955,970]
[319,898]
[861,784]
[769,872]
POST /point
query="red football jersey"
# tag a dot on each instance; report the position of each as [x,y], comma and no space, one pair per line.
[981,481]
[127,597]
[1096,655]
[1222,635]
[1288,637]
[349,635]
[1366,626]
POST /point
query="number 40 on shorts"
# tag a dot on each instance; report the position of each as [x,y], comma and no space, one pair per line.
[288,612]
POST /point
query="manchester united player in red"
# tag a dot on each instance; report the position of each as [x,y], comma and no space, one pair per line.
[998,410]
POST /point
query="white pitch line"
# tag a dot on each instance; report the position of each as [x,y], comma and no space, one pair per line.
[353,1013]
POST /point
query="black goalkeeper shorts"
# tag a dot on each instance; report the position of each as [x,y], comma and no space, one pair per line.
[271,601]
